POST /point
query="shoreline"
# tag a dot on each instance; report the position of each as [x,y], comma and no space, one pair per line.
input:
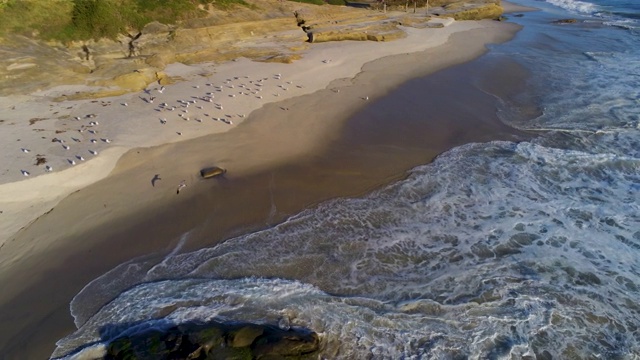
[149,210]
[142,128]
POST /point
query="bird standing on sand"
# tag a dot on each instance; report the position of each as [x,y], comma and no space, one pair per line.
[182,185]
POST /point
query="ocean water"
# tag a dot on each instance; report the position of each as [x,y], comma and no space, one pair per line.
[497,250]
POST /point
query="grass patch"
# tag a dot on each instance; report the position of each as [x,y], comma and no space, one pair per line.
[69,20]
[25,17]
[315,2]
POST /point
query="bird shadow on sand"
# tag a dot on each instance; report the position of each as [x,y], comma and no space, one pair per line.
[156,177]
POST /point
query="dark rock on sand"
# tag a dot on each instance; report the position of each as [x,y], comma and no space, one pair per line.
[212,172]
[217,341]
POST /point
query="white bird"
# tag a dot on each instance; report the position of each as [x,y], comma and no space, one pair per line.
[72,162]
[125,104]
[163,121]
[93,123]
[48,168]
[106,140]
[25,172]
[93,152]
[93,131]
[66,147]
[182,185]
[94,141]
[366,98]
[232,95]
[25,150]
[77,118]
[79,157]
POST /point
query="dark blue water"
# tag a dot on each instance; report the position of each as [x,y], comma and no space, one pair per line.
[495,250]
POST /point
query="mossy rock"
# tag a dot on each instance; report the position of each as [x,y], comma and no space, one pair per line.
[216,341]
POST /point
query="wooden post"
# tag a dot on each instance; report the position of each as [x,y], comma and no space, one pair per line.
[414,6]
[427,7]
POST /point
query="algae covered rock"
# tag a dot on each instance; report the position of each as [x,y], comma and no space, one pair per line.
[216,341]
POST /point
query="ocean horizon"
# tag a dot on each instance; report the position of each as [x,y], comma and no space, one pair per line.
[494,250]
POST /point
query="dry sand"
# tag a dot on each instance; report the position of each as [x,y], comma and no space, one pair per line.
[104,210]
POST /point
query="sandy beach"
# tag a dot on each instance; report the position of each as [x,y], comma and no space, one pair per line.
[280,130]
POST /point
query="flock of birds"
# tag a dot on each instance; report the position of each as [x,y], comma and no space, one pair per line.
[204,105]
[198,107]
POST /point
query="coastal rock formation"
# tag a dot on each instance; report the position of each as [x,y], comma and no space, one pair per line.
[217,341]
[466,12]
[565,21]
[260,31]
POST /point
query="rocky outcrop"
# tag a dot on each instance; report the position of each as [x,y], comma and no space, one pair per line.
[217,341]
[487,11]
[565,21]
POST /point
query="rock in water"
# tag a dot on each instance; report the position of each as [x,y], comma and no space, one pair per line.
[216,340]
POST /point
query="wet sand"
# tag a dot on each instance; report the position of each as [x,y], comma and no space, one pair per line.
[286,157]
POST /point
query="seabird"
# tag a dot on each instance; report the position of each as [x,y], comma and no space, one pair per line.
[66,147]
[182,185]
[125,104]
[156,177]
[93,141]
[48,168]
[93,152]
[25,172]
[93,131]
[77,118]
[106,140]
[72,162]
[163,121]
[25,150]
[79,157]
[179,133]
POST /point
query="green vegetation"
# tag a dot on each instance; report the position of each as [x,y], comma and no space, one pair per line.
[29,16]
[92,19]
